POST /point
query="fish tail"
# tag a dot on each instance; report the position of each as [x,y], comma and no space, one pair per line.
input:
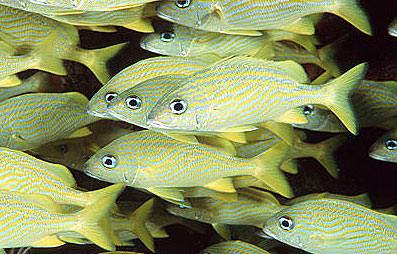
[267,169]
[46,59]
[91,219]
[143,25]
[364,199]
[351,11]
[289,166]
[9,81]
[97,59]
[339,90]
[94,196]
[138,219]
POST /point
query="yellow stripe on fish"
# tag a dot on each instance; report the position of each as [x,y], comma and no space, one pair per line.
[233,247]
[239,93]
[385,148]
[186,41]
[334,226]
[233,15]
[162,164]
[139,72]
[34,221]
[30,120]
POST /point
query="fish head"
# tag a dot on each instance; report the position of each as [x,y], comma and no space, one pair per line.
[134,104]
[190,13]
[385,148]
[181,109]
[174,42]
[97,106]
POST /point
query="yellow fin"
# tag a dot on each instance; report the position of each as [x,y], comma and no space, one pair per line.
[260,195]
[45,202]
[82,132]
[222,185]
[94,196]
[48,241]
[63,173]
[76,97]
[191,139]
[282,130]
[102,29]
[267,170]
[242,128]
[338,93]
[222,230]
[243,32]
[293,69]
[293,116]
[289,166]
[323,78]
[302,25]
[7,48]
[238,137]
[351,11]
[9,81]
[141,25]
[220,143]
[266,51]
[160,233]
[167,193]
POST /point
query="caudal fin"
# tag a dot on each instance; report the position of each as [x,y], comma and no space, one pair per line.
[338,96]
[351,11]
[94,196]
[138,221]
[268,171]
[91,225]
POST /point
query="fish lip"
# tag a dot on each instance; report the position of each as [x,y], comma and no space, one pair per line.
[377,157]
[157,125]
[94,113]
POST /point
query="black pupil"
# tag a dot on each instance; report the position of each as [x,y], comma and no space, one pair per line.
[391,144]
[178,106]
[110,97]
[307,110]
[285,223]
[108,162]
[133,103]
[63,148]
[182,3]
[167,36]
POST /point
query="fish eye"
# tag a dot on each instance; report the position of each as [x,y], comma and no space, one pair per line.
[167,36]
[109,161]
[133,102]
[182,4]
[391,144]
[63,148]
[110,96]
[286,223]
[178,106]
[308,109]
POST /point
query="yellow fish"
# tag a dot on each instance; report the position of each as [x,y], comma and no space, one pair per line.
[233,247]
[385,148]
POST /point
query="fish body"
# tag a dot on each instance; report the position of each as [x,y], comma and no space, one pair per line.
[362,199]
[30,120]
[139,72]
[162,164]
[233,247]
[385,148]
[186,41]
[373,102]
[34,221]
[233,15]
[392,29]
[134,104]
[23,173]
[238,93]
[334,226]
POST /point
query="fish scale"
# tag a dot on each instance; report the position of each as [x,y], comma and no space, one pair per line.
[335,226]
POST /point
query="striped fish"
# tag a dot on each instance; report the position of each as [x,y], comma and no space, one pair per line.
[139,72]
[186,41]
[233,247]
[334,226]
[373,101]
[131,18]
[252,208]
[34,221]
[134,104]
[71,7]
[385,148]
[239,93]
[233,15]
[23,173]
[362,199]
[392,29]
[30,120]
[161,164]
[28,31]
[37,83]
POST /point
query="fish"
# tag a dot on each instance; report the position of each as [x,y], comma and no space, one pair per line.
[187,41]
[34,221]
[38,82]
[24,173]
[361,199]
[72,7]
[133,18]
[199,104]
[373,101]
[27,32]
[392,29]
[74,152]
[139,72]
[233,247]
[9,81]
[228,16]
[385,148]
[162,165]
[30,120]
[329,225]
[251,209]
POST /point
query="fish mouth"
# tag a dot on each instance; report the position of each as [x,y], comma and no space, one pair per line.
[94,113]
[157,125]
[377,157]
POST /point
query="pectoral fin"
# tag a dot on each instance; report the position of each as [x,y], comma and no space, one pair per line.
[222,185]
[48,241]
[167,193]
